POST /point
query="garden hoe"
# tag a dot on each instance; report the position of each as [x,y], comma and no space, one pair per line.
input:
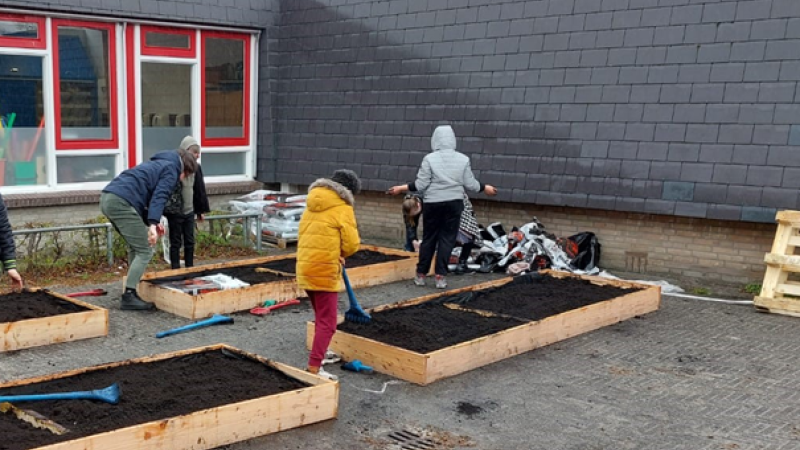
[355,313]
[108,395]
[213,320]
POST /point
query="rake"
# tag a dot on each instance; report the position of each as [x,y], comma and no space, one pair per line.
[355,313]
[108,395]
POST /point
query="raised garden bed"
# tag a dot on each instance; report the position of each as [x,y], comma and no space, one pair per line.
[433,337]
[368,267]
[36,317]
[171,401]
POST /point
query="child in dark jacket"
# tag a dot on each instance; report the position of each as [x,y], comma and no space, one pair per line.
[134,202]
[412,209]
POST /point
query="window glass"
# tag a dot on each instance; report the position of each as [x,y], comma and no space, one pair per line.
[86,169]
[168,40]
[22,135]
[166,106]
[224,88]
[218,164]
[12,29]
[83,61]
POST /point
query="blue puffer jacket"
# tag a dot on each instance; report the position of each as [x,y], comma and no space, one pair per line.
[148,186]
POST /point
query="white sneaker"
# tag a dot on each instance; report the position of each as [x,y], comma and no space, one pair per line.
[325,374]
[331,358]
[419,280]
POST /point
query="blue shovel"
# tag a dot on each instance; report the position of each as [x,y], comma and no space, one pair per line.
[213,320]
[108,395]
[355,313]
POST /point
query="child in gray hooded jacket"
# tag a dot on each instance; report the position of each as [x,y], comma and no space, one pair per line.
[442,177]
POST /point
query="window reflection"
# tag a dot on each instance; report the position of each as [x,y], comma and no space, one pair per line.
[166,106]
[83,55]
[224,88]
[23,146]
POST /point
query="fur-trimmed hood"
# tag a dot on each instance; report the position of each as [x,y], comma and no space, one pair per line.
[333,194]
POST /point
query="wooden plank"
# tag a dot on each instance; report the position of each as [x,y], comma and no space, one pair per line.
[385,358]
[514,341]
[773,277]
[784,306]
[426,368]
[245,298]
[213,427]
[783,235]
[55,329]
[788,217]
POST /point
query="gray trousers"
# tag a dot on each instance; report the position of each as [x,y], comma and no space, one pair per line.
[132,228]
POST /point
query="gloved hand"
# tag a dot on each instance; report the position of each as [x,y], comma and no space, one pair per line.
[357,366]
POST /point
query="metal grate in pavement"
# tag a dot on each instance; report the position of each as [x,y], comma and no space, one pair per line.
[409,440]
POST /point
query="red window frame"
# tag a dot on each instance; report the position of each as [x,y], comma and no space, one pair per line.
[225,142]
[178,52]
[130,58]
[87,144]
[22,42]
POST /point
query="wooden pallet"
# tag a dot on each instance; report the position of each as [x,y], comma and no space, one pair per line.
[426,368]
[213,427]
[276,242]
[246,298]
[54,329]
[779,294]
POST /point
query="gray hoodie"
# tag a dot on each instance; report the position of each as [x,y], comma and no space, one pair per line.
[445,173]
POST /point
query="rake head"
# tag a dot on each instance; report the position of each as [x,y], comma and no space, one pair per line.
[357,315]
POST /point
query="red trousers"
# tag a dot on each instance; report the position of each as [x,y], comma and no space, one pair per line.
[325,306]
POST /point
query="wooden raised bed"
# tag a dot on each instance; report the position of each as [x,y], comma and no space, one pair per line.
[90,323]
[243,299]
[315,400]
[425,368]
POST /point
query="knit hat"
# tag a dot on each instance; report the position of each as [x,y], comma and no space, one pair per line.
[187,142]
[348,179]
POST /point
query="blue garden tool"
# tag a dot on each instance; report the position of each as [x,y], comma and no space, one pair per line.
[357,366]
[108,395]
[213,320]
[355,313]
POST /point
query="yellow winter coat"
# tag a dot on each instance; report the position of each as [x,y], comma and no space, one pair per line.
[328,230]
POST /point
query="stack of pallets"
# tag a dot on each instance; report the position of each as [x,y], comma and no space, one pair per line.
[780,293]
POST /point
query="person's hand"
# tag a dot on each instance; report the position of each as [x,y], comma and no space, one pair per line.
[490,190]
[201,217]
[152,235]
[395,190]
[16,280]
[341,260]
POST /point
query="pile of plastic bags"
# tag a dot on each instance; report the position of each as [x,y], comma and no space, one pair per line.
[530,248]
[281,211]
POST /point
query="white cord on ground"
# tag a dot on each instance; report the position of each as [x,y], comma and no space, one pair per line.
[383,389]
[709,299]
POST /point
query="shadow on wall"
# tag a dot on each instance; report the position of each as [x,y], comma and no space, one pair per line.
[348,95]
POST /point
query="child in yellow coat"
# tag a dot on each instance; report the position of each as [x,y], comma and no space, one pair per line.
[328,234]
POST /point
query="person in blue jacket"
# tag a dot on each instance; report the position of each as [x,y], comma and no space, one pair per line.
[134,202]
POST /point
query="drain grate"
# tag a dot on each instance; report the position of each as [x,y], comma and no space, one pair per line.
[409,440]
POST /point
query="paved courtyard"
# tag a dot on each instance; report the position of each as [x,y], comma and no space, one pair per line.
[693,375]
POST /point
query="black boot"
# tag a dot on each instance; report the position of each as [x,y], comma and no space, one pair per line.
[461,268]
[132,301]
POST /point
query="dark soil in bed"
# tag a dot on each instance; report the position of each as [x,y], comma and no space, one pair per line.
[248,274]
[25,305]
[149,391]
[431,326]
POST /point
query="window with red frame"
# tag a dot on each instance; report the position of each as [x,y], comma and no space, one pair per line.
[225,100]
[163,41]
[22,31]
[84,65]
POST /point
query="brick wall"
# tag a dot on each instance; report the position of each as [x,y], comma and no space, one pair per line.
[726,250]
[669,107]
